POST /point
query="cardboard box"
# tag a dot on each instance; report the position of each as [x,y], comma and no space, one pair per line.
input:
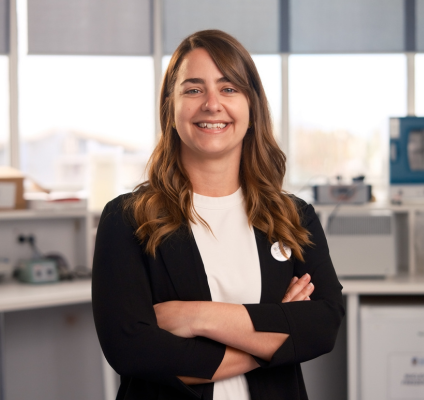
[11,189]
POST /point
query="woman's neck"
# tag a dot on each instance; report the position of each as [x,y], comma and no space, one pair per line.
[213,177]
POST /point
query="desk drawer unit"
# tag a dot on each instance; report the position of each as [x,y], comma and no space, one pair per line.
[392,352]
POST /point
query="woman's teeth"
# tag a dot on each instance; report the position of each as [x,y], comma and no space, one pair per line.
[211,126]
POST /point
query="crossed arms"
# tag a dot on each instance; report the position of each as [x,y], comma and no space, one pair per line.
[231,325]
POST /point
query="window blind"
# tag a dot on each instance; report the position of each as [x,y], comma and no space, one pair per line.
[254,23]
[110,27]
[419,25]
[346,26]
[90,27]
[4,26]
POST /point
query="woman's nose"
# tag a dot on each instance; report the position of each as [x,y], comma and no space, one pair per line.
[212,102]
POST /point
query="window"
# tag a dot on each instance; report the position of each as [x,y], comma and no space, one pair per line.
[339,111]
[269,68]
[79,113]
[419,85]
[74,106]
[4,109]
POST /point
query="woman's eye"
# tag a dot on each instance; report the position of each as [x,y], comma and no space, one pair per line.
[193,91]
[229,90]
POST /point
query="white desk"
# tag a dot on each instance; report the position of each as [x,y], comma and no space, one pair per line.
[399,285]
[16,296]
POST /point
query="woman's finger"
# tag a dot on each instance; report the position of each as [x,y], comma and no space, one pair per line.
[296,288]
[305,293]
[292,282]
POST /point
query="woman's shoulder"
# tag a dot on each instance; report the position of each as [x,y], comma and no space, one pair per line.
[298,202]
[305,210]
[124,202]
[120,210]
[119,200]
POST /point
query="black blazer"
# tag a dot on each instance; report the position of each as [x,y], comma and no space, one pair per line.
[127,283]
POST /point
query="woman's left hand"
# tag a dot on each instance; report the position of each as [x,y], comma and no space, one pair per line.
[177,317]
[299,289]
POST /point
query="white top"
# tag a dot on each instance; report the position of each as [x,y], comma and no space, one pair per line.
[231,261]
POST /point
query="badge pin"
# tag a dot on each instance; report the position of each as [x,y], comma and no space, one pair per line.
[278,255]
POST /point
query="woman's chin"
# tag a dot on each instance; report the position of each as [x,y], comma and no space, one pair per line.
[218,152]
[211,149]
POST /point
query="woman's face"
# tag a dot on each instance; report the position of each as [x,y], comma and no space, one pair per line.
[211,114]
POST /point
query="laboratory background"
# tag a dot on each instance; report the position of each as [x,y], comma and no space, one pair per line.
[79,88]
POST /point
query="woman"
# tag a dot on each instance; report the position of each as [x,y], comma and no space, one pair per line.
[202,276]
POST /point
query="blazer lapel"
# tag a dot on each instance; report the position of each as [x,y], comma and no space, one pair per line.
[276,275]
[185,266]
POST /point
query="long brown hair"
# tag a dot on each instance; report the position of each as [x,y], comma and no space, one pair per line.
[165,201]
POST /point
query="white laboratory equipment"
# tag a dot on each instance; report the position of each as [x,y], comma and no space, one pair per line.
[363,244]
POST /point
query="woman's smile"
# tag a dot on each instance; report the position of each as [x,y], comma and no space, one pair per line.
[212,127]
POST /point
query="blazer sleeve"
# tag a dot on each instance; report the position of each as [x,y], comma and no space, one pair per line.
[124,317]
[312,325]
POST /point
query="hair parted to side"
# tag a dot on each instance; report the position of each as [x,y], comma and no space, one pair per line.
[165,201]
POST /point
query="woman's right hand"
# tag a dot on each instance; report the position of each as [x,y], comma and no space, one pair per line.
[299,289]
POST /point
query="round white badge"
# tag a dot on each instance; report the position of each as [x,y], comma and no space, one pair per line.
[277,254]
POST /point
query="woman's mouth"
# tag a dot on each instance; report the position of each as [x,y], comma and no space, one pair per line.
[208,125]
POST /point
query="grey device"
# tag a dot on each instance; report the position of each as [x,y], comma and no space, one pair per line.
[41,270]
[356,193]
[363,245]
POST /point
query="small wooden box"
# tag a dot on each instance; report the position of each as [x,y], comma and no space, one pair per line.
[11,189]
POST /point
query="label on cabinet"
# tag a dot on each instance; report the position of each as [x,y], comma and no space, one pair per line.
[406,375]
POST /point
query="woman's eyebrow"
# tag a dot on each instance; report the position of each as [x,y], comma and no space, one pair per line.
[202,81]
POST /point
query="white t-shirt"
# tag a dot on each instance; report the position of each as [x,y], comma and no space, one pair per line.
[231,261]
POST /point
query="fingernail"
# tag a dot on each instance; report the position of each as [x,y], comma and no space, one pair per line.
[311,284]
[306,277]
[294,279]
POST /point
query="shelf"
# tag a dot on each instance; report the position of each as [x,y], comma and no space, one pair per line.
[42,214]
[398,285]
[404,208]
[15,296]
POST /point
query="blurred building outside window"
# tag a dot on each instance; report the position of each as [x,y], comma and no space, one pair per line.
[4,110]
[269,68]
[419,85]
[339,115]
[71,107]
